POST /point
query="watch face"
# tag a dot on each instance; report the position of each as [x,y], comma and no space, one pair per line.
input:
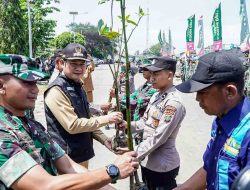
[113,170]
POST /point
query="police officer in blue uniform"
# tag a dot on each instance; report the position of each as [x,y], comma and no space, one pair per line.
[219,83]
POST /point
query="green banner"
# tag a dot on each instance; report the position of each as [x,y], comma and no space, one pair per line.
[216,24]
[244,21]
[160,38]
[190,29]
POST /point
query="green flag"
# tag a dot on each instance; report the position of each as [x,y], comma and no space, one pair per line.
[190,33]
[244,21]
[160,38]
[217,29]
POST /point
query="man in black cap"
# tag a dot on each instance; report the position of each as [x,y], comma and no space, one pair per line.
[58,64]
[67,110]
[219,83]
[160,124]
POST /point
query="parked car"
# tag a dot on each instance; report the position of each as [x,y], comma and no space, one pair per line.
[97,61]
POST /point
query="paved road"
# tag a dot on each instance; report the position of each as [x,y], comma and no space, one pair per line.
[191,142]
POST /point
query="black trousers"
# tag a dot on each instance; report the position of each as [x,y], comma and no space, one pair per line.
[159,180]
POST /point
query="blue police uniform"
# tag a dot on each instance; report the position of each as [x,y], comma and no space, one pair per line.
[228,151]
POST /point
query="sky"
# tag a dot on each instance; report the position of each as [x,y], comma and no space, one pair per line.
[163,14]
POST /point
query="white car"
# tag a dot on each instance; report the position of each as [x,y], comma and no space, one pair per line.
[98,61]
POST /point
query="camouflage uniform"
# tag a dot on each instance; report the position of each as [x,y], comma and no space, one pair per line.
[139,100]
[183,71]
[122,81]
[24,143]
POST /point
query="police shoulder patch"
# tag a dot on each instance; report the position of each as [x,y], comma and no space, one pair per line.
[169,112]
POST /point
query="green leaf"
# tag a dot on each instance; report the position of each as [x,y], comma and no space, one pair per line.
[102,2]
[105,29]
[132,22]
[141,12]
[100,24]
[127,17]
[120,17]
[112,35]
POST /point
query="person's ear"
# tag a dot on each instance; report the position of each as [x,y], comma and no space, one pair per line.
[231,91]
[170,75]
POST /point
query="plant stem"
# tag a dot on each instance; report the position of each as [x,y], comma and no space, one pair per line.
[128,108]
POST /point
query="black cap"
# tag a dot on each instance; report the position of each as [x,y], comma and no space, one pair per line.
[58,53]
[162,63]
[75,51]
[215,67]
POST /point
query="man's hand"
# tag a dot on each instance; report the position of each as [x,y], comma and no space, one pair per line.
[106,107]
[196,182]
[120,151]
[112,92]
[127,164]
[123,125]
[115,117]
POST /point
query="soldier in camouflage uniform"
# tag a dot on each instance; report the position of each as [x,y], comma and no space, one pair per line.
[122,80]
[29,156]
[183,70]
[138,100]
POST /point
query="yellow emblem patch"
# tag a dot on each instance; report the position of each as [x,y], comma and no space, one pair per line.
[155,114]
[155,119]
[78,51]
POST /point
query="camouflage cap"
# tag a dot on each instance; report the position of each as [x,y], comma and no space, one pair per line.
[9,64]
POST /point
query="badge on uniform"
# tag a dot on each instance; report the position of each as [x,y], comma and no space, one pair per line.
[155,121]
[170,111]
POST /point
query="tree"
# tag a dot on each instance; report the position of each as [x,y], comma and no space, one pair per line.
[99,46]
[42,29]
[155,49]
[11,27]
[62,40]
[83,28]
[14,25]
[96,45]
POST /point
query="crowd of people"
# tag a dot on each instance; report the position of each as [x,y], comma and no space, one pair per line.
[57,156]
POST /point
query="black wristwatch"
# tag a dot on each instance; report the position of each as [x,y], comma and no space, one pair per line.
[113,172]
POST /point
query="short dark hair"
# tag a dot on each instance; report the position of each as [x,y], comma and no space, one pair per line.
[172,68]
[239,83]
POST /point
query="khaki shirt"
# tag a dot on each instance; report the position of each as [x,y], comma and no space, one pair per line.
[160,123]
[60,105]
